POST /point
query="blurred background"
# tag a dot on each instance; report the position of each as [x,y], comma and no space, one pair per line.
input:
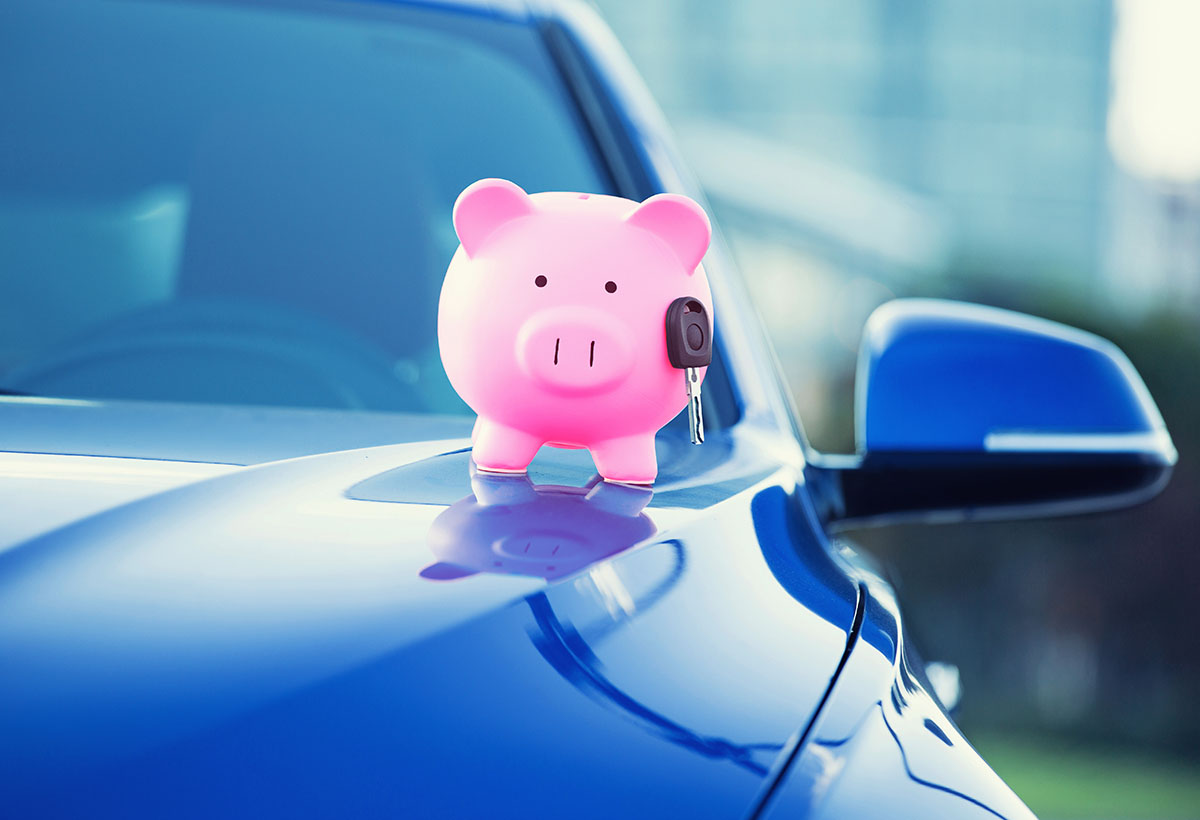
[1038,155]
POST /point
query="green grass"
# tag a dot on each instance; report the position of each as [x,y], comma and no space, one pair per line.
[1058,781]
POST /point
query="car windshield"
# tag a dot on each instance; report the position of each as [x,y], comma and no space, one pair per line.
[206,202]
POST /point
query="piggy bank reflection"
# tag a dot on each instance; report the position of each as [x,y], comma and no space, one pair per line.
[511,526]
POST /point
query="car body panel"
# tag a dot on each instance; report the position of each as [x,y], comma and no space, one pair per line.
[263,620]
[43,492]
[882,744]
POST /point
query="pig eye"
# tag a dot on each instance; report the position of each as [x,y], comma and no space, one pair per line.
[540,281]
[611,287]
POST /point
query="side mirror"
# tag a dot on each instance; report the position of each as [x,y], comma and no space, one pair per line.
[965,411]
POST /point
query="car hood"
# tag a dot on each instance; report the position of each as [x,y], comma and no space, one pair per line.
[249,628]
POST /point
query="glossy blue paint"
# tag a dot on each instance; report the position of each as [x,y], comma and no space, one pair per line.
[218,611]
[939,376]
[881,726]
[967,412]
[260,639]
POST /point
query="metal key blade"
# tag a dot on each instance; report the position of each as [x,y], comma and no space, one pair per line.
[695,407]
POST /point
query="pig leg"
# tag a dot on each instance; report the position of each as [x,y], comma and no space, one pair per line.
[630,459]
[501,449]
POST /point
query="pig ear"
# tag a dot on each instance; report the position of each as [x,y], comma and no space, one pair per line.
[445,572]
[678,221]
[483,207]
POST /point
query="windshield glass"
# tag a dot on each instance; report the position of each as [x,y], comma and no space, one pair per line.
[212,203]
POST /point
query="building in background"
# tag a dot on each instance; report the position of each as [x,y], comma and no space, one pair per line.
[856,150]
[995,113]
[1153,253]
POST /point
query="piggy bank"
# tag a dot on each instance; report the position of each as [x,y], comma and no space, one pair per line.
[551,323]
[511,526]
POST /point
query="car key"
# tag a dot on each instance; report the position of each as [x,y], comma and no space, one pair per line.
[689,346]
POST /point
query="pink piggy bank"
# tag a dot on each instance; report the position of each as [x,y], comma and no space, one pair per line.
[552,318]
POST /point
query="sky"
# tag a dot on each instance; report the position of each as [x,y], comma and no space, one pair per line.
[1154,120]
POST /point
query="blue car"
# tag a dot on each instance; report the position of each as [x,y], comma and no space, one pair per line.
[246,566]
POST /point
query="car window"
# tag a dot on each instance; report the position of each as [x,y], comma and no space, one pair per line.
[208,202]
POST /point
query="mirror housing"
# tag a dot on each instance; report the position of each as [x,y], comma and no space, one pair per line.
[964,411]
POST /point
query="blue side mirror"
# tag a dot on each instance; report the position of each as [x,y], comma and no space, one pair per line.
[967,411]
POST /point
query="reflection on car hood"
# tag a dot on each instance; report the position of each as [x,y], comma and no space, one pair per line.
[200,639]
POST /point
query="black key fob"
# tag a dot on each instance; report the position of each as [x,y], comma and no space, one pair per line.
[689,336]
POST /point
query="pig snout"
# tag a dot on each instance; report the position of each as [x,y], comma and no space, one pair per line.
[575,350]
